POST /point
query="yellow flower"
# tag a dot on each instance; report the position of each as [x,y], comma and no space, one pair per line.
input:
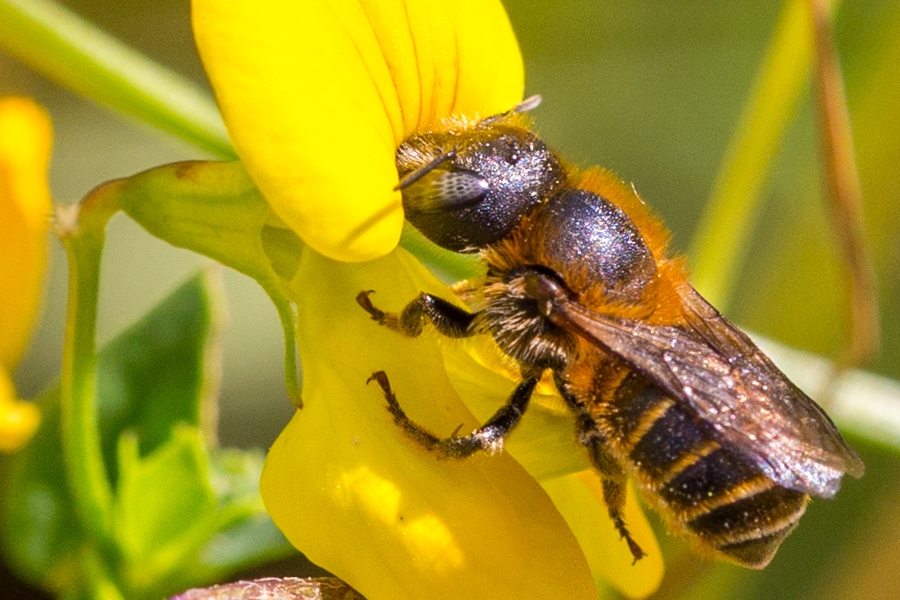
[317,95]
[24,217]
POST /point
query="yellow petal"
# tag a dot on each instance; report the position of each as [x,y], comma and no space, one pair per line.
[357,497]
[25,138]
[18,420]
[317,95]
[579,497]
[544,444]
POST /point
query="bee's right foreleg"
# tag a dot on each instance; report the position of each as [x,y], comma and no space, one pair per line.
[447,318]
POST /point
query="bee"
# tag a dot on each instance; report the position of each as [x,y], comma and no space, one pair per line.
[578,282]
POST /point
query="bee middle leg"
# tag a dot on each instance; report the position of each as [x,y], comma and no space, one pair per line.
[447,318]
[489,437]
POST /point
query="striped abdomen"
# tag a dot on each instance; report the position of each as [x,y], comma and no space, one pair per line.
[712,493]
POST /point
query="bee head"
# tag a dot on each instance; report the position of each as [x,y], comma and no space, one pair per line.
[468,187]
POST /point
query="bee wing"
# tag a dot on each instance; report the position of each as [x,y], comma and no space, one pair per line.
[731,384]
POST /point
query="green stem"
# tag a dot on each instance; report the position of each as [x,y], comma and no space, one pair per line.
[447,266]
[77,55]
[82,453]
[291,361]
[729,216]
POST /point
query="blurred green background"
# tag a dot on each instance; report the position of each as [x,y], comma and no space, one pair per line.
[652,90]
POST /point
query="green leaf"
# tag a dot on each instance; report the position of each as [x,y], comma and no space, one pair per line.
[165,507]
[156,376]
[42,535]
[213,526]
[245,544]
[245,535]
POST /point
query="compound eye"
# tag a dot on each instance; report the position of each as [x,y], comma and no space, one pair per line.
[441,191]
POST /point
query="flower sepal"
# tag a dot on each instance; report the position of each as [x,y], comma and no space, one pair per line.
[214,209]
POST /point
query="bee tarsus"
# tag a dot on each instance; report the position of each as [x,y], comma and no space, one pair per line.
[447,318]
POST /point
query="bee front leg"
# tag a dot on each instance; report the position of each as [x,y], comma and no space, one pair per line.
[489,437]
[447,318]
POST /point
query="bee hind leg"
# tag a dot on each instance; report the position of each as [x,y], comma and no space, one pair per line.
[614,495]
[447,318]
[489,437]
[613,479]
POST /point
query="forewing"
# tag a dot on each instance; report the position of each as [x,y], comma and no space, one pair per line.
[731,384]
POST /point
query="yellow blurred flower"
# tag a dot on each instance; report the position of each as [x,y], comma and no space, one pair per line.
[25,139]
[317,95]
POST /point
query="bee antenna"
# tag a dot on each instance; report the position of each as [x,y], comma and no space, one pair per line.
[413,176]
[525,105]
[528,104]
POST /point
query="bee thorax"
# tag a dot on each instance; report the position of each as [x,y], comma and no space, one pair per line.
[519,324]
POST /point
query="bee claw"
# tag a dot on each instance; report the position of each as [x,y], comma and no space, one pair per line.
[382,379]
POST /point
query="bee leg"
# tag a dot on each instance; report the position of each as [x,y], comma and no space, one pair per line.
[489,437]
[614,491]
[447,318]
[611,474]
[612,477]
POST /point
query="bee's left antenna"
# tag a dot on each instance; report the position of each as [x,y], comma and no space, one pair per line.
[525,105]
[413,176]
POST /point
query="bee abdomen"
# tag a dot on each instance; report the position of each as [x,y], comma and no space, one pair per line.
[730,506]
[714,494]
[749,530]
